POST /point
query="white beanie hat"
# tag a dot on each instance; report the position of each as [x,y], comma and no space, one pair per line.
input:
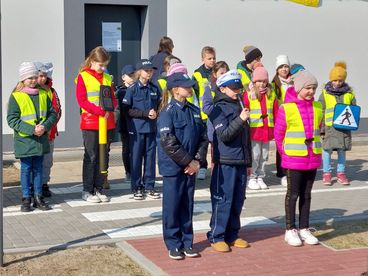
[27,70]
[50,69]
[282,60]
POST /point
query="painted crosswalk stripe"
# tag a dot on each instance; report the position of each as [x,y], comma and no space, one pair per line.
[78,188]
[139,231]
[205,193]
[151,212]
[34,212]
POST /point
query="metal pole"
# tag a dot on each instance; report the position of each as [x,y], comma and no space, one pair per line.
[1,164]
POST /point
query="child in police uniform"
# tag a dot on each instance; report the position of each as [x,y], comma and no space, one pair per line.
[142,99]
[335,91]
[232,157]
[127,76]
[297,136]
[182,146]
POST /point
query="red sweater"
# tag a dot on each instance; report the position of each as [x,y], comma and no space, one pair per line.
[89,120]
[264,133]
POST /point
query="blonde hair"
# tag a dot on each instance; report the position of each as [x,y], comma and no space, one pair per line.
[19,86]
[165,98]
[208,50]
[98,54]
[255,94]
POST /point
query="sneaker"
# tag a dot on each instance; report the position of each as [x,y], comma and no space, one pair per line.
[138,195]
[153,194]
[220,246]
[253,184]
[327,179]
[307,237]
[240,243]
[261,184]
[90,197]
[292,237]
[101,195]
[46,190]
[201,175]
[342,179]
[284,181]
[190,252]
[176,254]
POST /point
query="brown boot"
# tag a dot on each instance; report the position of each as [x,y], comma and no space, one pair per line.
[240,243]
[220,246]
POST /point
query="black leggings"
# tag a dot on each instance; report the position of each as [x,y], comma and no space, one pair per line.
[299,185]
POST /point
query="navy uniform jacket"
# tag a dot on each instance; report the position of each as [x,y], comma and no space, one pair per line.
[231,139]
[140,100]
[122,125]
[182,137]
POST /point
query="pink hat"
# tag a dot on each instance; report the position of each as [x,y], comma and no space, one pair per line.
[259,74]
[177,68]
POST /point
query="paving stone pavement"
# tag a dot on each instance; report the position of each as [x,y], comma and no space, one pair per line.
[73,222]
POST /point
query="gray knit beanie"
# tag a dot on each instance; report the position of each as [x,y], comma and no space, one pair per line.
[302,79]
[27,70]
[50,68]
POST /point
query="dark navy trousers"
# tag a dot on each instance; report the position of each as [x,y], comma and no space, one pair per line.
[228,183]
[143,152]
[177,211]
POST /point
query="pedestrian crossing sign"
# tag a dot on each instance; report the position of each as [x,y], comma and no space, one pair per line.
[346,117]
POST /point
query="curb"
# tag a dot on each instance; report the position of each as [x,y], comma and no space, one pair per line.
[140,259]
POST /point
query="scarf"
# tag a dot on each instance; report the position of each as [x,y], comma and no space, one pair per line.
[30,91]
[337,91]
[287,81]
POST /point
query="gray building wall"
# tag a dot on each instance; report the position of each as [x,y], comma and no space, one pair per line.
[63,31]
[314,37]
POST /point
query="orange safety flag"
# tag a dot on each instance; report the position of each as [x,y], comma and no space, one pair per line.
[308,3]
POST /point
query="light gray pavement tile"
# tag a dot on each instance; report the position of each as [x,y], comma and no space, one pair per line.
[71,228]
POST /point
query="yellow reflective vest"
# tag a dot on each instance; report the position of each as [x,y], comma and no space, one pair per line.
[27,109]
[295,142]
[330,102]
[202,82]
[93,87]
[245,78]
[256,117]
[162,84]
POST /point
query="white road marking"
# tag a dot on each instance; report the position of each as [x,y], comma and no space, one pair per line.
[129,232]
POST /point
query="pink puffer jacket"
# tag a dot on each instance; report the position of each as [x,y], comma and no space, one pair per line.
[309,162]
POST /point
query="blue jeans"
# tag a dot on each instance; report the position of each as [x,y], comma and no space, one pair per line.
[31,167]
[341,159]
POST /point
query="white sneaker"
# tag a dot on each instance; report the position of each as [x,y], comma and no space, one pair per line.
[284,181]
[102,197]
[292,237]
[307,237]
[90,197]
[261,184]
[202,174]
[253,184]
